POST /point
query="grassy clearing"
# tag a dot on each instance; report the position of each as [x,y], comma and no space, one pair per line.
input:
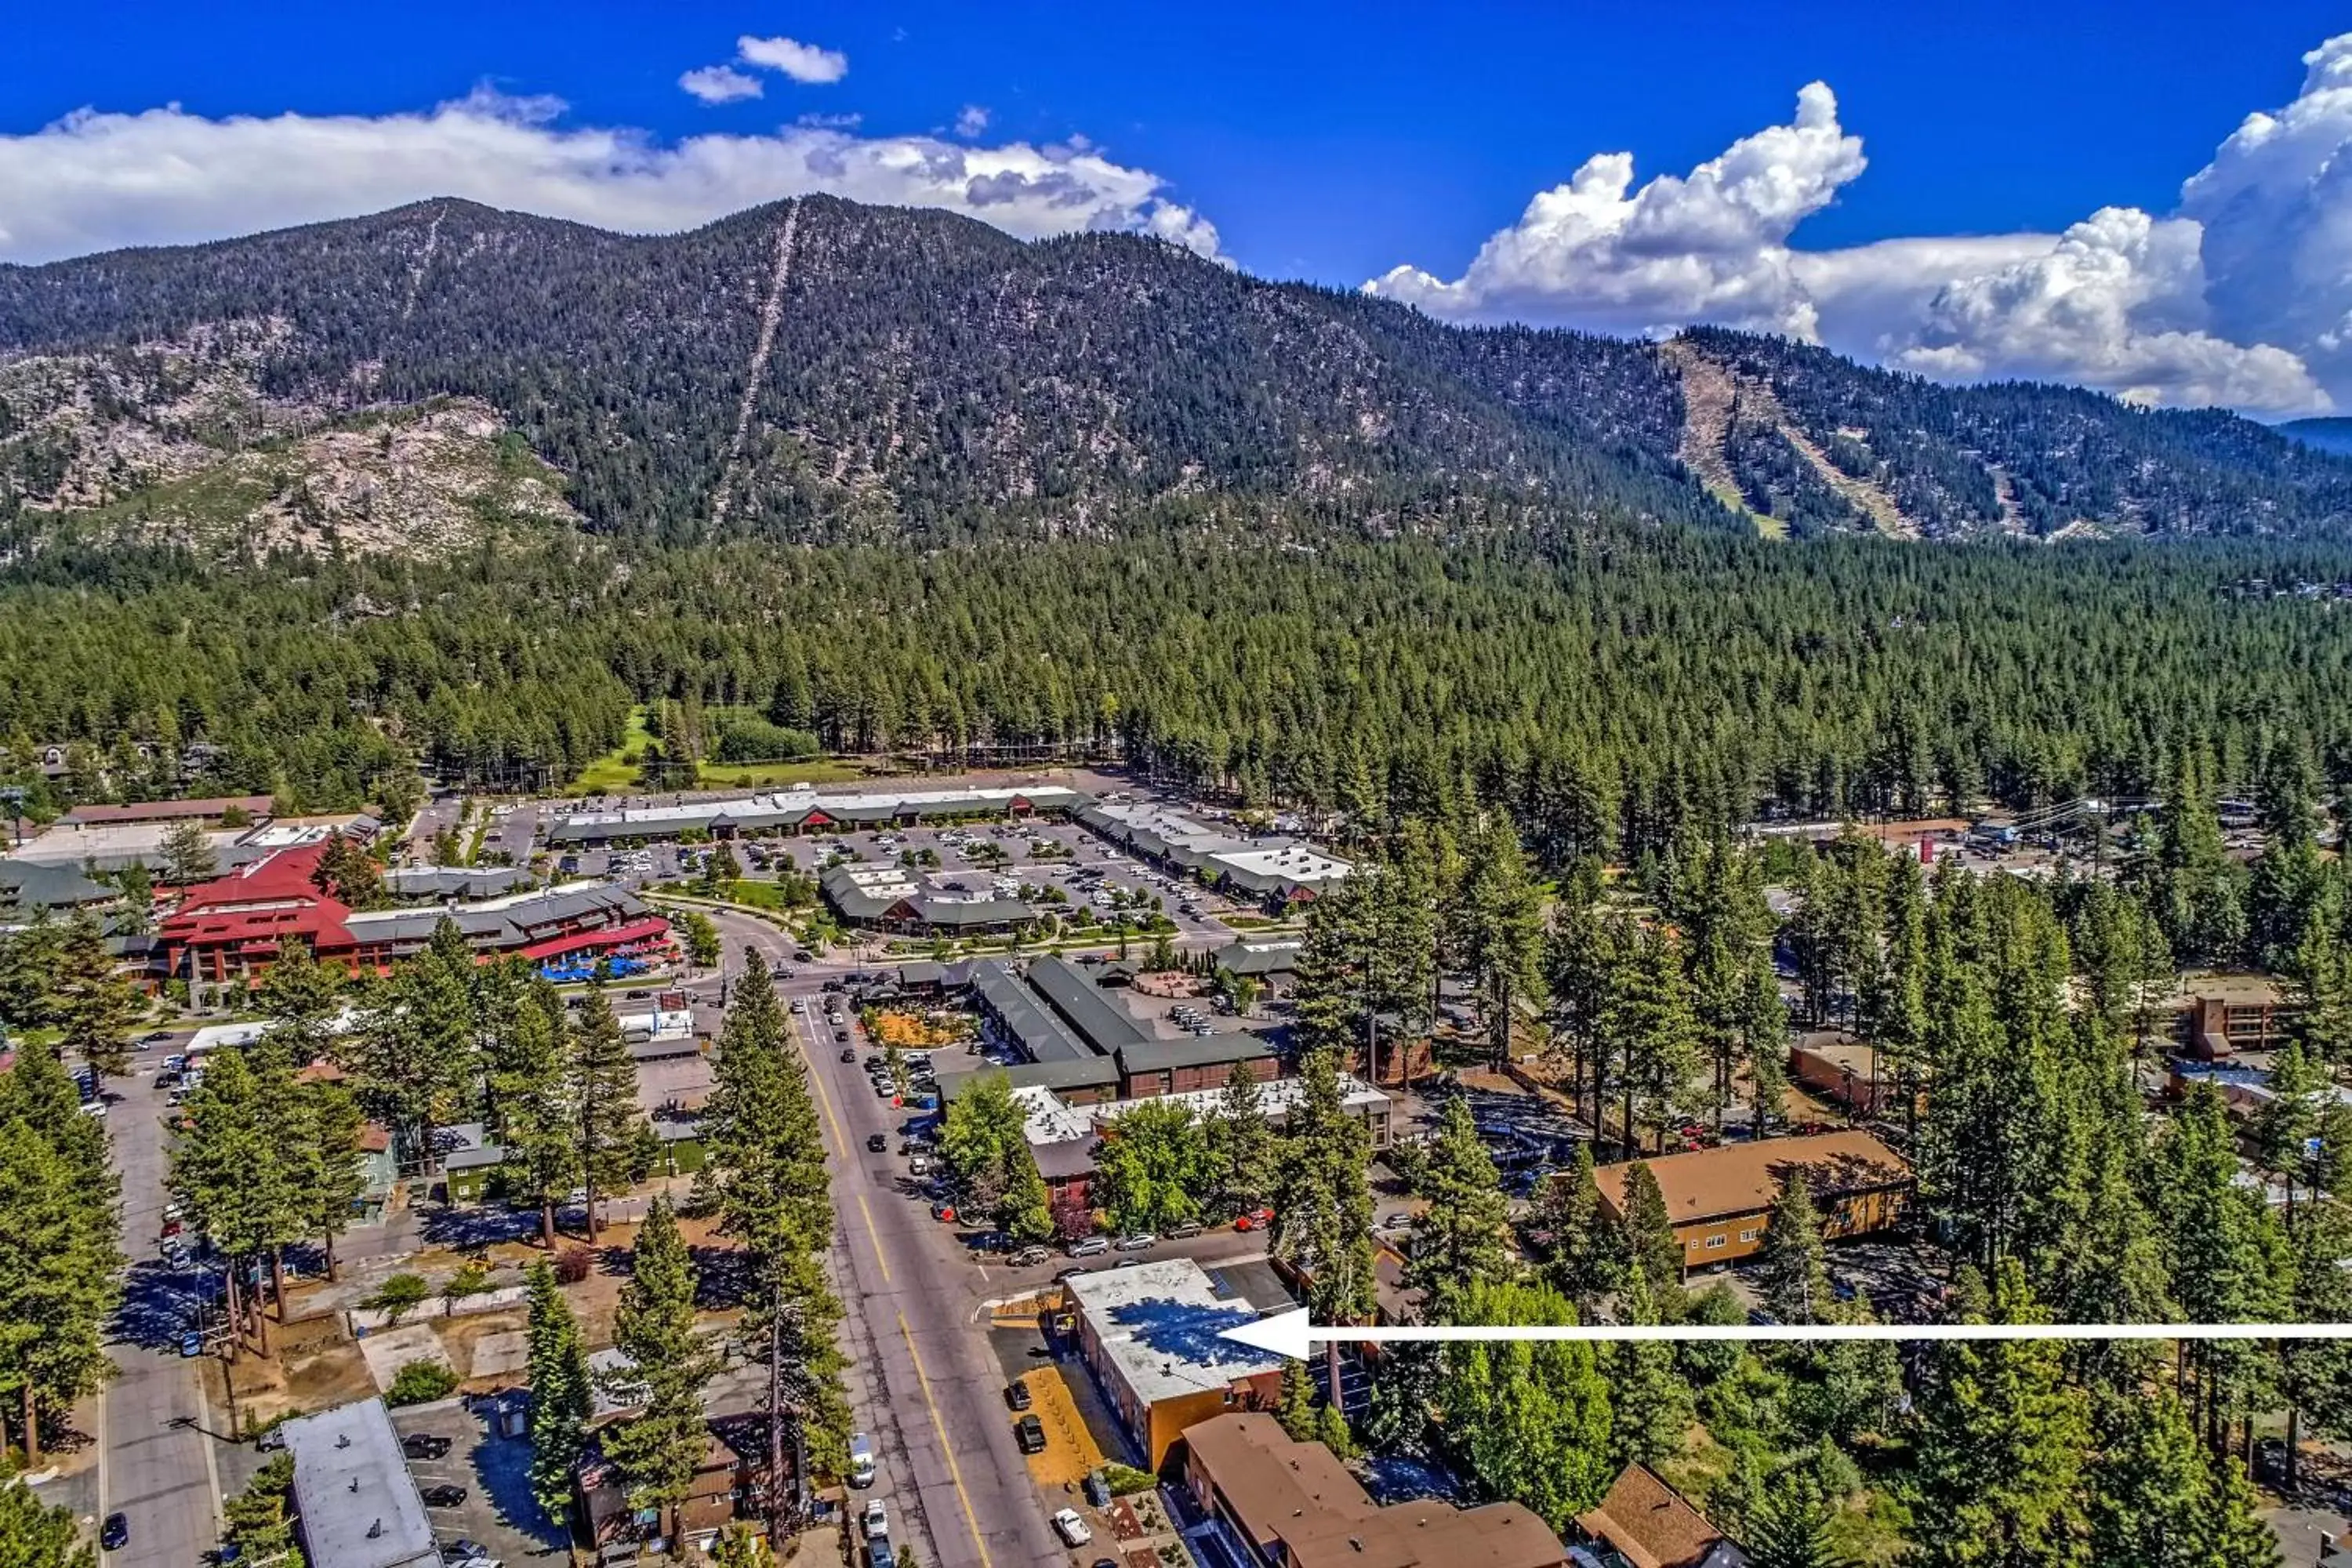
[612,774]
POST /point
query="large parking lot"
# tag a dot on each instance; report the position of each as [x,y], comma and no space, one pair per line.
[976,857]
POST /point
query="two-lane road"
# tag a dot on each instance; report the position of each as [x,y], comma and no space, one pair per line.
[157,1459]
[926,1385]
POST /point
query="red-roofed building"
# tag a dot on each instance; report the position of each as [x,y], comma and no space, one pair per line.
[230,927]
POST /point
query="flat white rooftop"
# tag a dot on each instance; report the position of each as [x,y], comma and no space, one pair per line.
[804,798]
[1160,1325]
[359,1507]
[1053,1120]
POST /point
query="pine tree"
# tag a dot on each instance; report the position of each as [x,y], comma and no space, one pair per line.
[300,996]
[226,1174]
[1296,1410]
[1530,1420]
[1649,1015]
[260,1519]
[1579,1261]
[187,853]
[530,1092]
[2000,1451]
[1240,1146]
[1789,1527]
[658,1449]
[1501,926]
[1795,1261]
[93,1006]
[2156,1499]
[561,1394]
[1323,1206]
[603,1093]
[1647,1231]
[1462,1237]
[332,1181]
[35,1535]
[414,1051]
[60,1268]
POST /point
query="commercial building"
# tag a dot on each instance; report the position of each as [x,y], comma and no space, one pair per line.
[436,883]
[1152,1334]
[1083,1044]
[804,810]
[1645,1523]
[230,928]
[1277,872]
[1847,1069]
[2222,1014]
[1063,1134]
[1279,1503]
[1718,1199]
[211,809]
[353,1499]
[894,898]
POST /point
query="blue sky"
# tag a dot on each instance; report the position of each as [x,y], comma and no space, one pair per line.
[1323,142]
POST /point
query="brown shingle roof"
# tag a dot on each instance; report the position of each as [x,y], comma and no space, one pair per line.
[1650,1524]
[1299,1495]
[1744,1178]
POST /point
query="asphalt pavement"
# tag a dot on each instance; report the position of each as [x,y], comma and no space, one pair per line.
[160,1440]
[923,1381]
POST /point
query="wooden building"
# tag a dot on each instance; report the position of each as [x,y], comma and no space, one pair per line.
[1719,1198]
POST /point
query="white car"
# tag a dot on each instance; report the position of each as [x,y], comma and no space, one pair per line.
[94,1108]
[875,1521]
[1071,1528]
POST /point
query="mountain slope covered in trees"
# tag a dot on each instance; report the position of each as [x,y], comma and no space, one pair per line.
[818,370]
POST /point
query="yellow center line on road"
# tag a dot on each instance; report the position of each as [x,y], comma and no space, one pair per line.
[955,1471]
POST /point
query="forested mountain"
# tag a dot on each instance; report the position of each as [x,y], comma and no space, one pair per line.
[819,370]
[2328,435]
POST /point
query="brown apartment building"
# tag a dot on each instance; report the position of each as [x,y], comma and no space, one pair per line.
[1719,1198]
[1284,1504]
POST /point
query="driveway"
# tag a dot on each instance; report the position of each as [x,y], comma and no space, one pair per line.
[499,1510]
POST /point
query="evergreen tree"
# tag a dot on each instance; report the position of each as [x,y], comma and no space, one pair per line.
[1795,1262]
[93,1006]
[35,1535]
[1649,1015]
[1295,1408]
[301,997]
[1323,1206]
[561,1394]
[259,1520]
[1501,926]
[60,1268]
[1240,1146]
[415,1052]
[187,852]
[331,1181]
[530,1092]
[2156,1499]
[1647,1232]
[1462,1237]
[657,1449]
[1791,1528]
[603,1083]
[1529,1420]
[1578,1260]
[2000,1456]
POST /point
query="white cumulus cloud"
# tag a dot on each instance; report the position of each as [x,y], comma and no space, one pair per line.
[2242,297]
[98,181]
[1711,246]
[802,62]
[971,121]
[720,84]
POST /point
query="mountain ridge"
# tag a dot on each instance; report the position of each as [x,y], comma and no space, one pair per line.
[816,369]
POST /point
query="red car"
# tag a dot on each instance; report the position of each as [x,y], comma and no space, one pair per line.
[1256,1219]
[944,1212]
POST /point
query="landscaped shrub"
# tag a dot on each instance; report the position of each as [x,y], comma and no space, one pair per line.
[420,1382]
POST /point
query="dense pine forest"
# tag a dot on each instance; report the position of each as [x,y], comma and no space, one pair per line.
[1606,684]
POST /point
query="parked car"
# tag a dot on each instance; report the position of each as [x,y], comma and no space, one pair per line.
[424,1446]
[115,1533]
[1189,1228]
[1137,1241]
[1090,1246]
[191,1343]
[1071,1528]
[1029,1434]
[943,1213]
[1016,1394]
[879,1555]
[1027,1256]
[1064,1276]
[877,1142]
[849,1053]
[1256,1219]
[443,1496]
[875,1520]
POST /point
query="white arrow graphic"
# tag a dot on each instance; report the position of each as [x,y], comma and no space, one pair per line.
[1290,1335]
